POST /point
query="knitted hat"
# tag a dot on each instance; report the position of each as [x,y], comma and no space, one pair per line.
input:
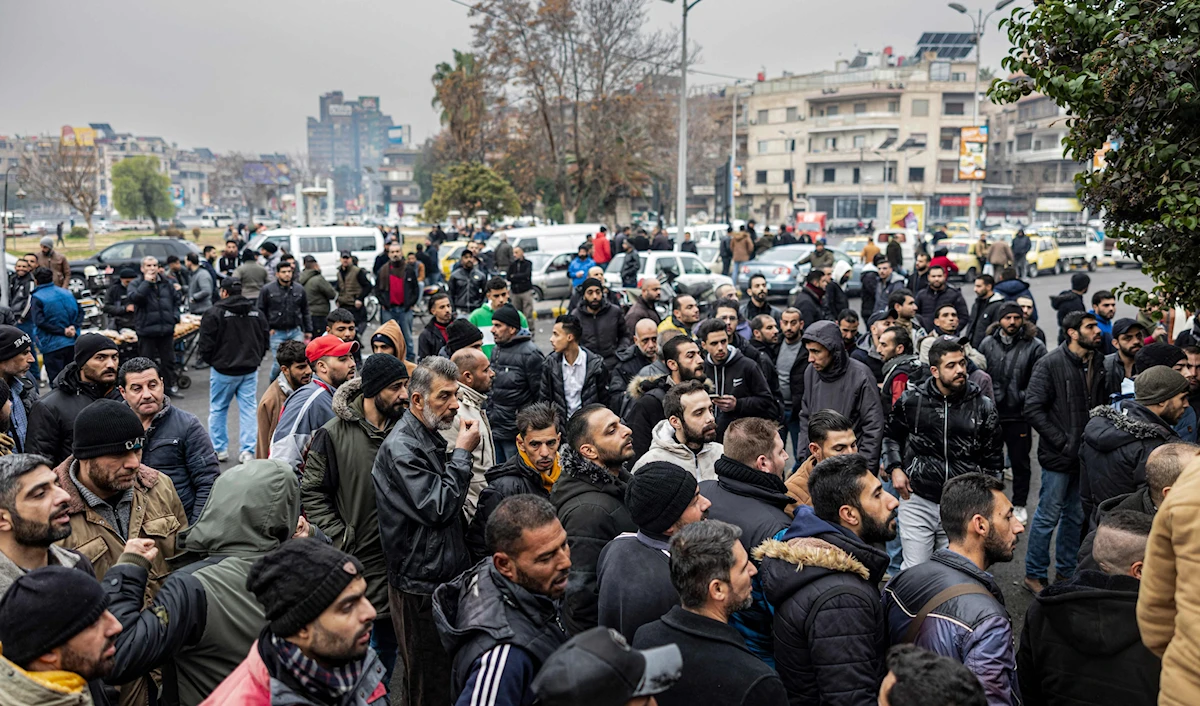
[379,371]
[1157,354]
[590,282]
[658,494]
[45,608]
[298,581]
[127,273]
[269,247]
[46,242]
[106,427]
[1158,384]
[89,344]
[1009,308]
[460,334]
[507,315]
[13,342]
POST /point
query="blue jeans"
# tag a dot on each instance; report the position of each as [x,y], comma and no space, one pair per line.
[404,319]
[895,548]
[1058,506]
[27,327]
[221,391]
[383,641]
[277,337]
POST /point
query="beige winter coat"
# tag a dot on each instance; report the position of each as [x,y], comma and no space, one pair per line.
[470,407]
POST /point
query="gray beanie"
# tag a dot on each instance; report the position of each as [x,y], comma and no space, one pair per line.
[47,242]
[1158,384]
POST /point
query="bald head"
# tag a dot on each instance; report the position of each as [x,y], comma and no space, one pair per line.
[1120,545]
[597,272]
[474,369]
[651,290]
[645,335]
[1164,465]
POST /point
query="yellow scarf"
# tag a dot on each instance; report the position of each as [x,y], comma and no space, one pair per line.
[548,479]
[62,682]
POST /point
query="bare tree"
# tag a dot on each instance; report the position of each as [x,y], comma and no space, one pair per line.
[65,174]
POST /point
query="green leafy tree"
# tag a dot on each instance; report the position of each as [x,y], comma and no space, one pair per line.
[469,187]
[1127,73]
[139,189]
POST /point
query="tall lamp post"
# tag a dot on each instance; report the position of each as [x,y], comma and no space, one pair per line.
[979,24]
[4,237]
[681,187]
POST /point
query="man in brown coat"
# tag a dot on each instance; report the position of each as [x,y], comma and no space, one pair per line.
[295,372]
[54,261]
[1000,255]
[742,247]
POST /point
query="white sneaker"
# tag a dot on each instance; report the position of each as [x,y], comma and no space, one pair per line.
[245,456]
[1021,514]
[1008,474]
[222,456]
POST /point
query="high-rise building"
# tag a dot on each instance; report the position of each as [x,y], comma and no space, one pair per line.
[347,137]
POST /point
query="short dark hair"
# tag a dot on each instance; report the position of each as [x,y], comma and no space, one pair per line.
[571,326]
[849,315]
[709,326]
[673,401]
[1008,273]
[700,553]
[986,279]
[43,275]
[727,303]
[437,298]
[677,301]
[1073,321]
[925,678]
[136,365]
[896,299]
[1102,295]
[760,321]
[835,482]
[194,258]
[880,259]
[290,353]
[539,415]
[902,336]
[515,514]
[938,311]
[814,275]
[937,267]
[578,430]
[964,497]
[756,275]
[670,349]
[172,259]
[496,284]
[285,265]
[12,467]
[339,316]
[748,438]
[824,421]
[943,347]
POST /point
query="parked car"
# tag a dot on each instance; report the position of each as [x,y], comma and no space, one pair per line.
[127,253]
[779,266]
[907,237]
[853,246]
[42,227]
[550,278]
[690,269]
[450,252]
[1079,245]
[959,250]
[555,239]
[325,243]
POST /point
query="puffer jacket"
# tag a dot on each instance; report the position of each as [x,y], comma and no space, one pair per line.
[200,291]
[1011,366]
[178,445]
[481,610]
[934,438]
[590,503]
[930,300]
[830,631]
[1064,303]
[973,629]
[156,306]
[115,301]
[234,336]
[631,267]
[513,477]
[646,395]
[52,418]
[338,492]
[1115,446]
[664,446]
[846,386]
[983,315]
[518,368]
[285,307]
[630,360]
[253,683]
[318,290]
[420,489]
[466,289]
[741,377]
[603,330]
[595,381]
[54,309]
[1061,393]
[304,412]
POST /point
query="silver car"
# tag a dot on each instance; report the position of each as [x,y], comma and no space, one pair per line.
[550,278]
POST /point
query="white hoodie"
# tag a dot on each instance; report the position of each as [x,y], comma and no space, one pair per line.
[665,447]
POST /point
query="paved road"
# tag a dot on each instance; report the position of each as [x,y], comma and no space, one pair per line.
[1009,575]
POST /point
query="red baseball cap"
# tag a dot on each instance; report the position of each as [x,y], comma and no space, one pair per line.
[328,344]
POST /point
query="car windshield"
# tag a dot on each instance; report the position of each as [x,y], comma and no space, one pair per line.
[538,259]
[959,248]
[785,253]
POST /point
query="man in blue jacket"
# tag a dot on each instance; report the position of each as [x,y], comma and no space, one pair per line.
[57,318]
[577,270]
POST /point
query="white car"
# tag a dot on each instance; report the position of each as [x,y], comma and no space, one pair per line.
[326,243]
[690,269]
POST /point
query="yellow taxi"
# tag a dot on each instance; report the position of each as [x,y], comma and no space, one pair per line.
[451,251]
[853,246]
[957,228]
[1043,256]
[962,254]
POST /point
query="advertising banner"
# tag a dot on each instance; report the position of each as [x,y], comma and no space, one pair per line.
[343,110]
[1050,204]
[972,153]
[400,134]
[369,104]
[907,214]
[78,136]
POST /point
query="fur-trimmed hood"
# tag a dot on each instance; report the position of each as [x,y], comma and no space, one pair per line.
[147,478]
[805,552]
[1027,332]
[1109,429]
[578,467]
[347,401]
[639,385]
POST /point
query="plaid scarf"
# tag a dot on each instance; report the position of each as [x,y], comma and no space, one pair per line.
[325,685]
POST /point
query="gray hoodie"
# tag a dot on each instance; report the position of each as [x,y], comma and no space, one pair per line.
[846,386]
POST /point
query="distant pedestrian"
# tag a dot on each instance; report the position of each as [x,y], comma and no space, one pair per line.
[233,339]
[57,319]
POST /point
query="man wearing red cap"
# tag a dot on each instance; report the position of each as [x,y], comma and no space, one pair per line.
[307,409]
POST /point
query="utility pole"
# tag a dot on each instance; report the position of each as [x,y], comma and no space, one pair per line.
[681,186]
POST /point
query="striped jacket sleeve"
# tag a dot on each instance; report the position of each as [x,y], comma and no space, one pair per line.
[500,677]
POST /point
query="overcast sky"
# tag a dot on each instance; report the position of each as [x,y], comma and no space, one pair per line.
[244,75]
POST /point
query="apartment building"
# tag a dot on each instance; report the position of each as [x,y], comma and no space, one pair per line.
[1027,165]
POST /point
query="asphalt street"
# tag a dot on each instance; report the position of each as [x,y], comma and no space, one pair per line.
[1009,575]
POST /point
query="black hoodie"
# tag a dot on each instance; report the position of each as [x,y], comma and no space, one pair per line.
[743,378]
[52,419]
[847,386]
[233,336]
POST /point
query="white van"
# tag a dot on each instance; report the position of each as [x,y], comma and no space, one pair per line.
[706,234]
[907,237]
[326,243]
[555,239]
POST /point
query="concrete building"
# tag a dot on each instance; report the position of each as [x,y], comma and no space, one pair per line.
[397,174]
[190,170]
[1032,179]
[347,137]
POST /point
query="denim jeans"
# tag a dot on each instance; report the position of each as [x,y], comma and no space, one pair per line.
[1058,506]
[279,336]
[404,318]
[895,548]
[221,391]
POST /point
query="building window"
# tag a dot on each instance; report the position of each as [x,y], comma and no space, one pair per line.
[831,143]
[1024,142]
[764,117]
[831,111]
[788,175]
[791,115]
[860,108]
[764,146]
[893,106]
[808,175]
[860,141]
[955,108]
[939,71]
[775,213]
[946,174]
[789,145]
[889,173]
[958,76]
[1050,175]
[948,139]
[829,176]
[1041,108]
[1010,146]
[857,175]
[760,176]
[916,175]
[920,107]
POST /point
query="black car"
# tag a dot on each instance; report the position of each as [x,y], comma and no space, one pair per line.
[127,253]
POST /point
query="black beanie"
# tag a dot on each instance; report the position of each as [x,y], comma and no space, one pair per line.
[106,427]
[1009,308]
[89,344]
[1157,354]
[658,494]
[45,608]
[508,315]
[298,581]
[379,371]
[460,334]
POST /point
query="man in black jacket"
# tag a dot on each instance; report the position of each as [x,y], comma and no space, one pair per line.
[1081,642]
[572,376]
[685,361]
[632,266]
[284,305]
[1129,337]
[1066,383]
[643,306]
[1070,300]
[590,500]
[810,297]
[830,629]
[116,300]
[397,287]
[633,573]
[984,310]
[434,337]
[419,496]
[517,362]
[466,284]
[91,376]
[630,360]
[233,340]
[604,331]
[791,360]
[937,295]
[520,283]
[156,302]
[756,301]
[741,389]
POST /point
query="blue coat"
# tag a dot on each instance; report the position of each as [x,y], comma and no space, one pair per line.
[178,445]
[53,310]
[578,270]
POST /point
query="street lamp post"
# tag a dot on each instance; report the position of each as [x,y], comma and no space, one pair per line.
[790,143]
[733,154]
[681,187]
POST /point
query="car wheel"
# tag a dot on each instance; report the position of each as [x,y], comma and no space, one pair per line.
[1091,265]
[1060,268]
[971,275]
[1033,271]
[372,306]
[537,295]
[77,283]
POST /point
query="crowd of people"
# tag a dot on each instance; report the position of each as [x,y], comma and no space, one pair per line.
[750,505]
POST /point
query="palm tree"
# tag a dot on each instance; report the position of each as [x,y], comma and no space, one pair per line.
[458,94]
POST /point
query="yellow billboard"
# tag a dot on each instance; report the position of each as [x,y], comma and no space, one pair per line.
[907,214]
[78,136]
[972,153]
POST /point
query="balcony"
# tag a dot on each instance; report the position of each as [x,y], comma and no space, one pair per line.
[833,123]
[1054,154]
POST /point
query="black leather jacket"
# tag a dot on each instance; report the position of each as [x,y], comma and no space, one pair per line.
[518,367]
[285,307]
[466,289]
[1011,367]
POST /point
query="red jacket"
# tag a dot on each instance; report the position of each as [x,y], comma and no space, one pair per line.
[945,263]
[601,249]
[250,685]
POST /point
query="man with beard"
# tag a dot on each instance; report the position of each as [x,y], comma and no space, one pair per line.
[589,498]
[847,322]
[630,361]
[829,434]
[687,437]
[434,338]
[33,516]
[764,343]
[829,623]
[741,389]
[790,363]
[316,647]
[517,362]
[1104,307]
[475,378]
[834,381]
[944,428]
[713,574]
[1129,337]
[420,490]
[938,294]
[229,259]
[983,311]
[684,361]
[900,364]
[643,306]
[294,373]
[757,304]
[634,572]
[308,408]
[809,300]
[919,279]
[337,490]
[483,317]
[91,376]
[685,313]
[973,626]
[1065,385]
[500,618]
[603,324]
[398,287]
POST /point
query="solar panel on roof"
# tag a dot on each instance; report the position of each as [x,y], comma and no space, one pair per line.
[947,45]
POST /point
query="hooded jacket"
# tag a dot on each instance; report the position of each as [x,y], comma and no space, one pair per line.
[870,287]
[178,445]
[518,367]
[317,290]
[1115,446]
[983,315]
[156,306]
[846,386]
[54,310]
[646,395]
[513,477]
[337,491]
[590,503]
[830,629]
[304,412]
[253,509]
[664,446]
[391,330]
[1138,501]
[497,633]
[1081,645]
[1011,366]
[743,378]
[1061,392]
[234,336]
[634,582]
[603,330]
[595,381]
[1064,303]
[934,438]
[1013,289]
[52,419]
